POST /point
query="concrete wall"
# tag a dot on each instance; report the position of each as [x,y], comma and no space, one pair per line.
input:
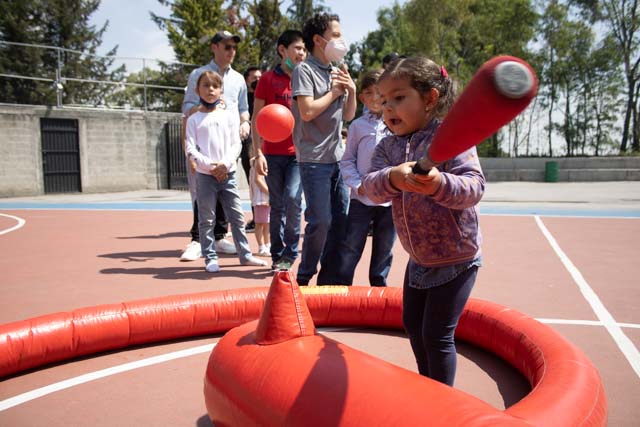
[125,150]
[119,150]
[570,169]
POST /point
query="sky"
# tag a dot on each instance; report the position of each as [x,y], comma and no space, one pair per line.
[130,26]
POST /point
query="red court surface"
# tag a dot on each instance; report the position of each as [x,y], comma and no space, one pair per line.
[576,274]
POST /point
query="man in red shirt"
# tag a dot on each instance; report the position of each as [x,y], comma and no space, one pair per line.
[277,160]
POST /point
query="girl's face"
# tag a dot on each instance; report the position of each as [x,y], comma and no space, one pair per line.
[405,110]
[208,90]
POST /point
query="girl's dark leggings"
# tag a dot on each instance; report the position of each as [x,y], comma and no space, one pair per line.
[430,317]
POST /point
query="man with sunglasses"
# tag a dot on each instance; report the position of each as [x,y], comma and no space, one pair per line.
[224,47]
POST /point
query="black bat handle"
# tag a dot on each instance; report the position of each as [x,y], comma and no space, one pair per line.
[423,165]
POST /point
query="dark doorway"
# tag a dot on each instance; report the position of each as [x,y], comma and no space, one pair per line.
[60,155]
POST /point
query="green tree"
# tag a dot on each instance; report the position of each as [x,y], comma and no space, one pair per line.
[623,20]
[65,25]
[301,10]
[190,26]
[268,24]
[393,35]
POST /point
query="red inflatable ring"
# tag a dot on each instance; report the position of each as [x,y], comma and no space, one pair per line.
[566,388]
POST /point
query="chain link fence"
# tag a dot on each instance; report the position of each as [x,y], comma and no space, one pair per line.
[128,83]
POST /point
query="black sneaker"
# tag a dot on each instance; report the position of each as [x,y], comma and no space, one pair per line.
[251,226]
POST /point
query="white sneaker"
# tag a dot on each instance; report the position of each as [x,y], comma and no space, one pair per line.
[212,267]
[192,252]
[264,251]
[224,246]
[254,262]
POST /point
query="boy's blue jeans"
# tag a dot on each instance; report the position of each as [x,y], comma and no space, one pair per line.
[384,236]
[285,199]
[327,200]
[430,317]
[209,192]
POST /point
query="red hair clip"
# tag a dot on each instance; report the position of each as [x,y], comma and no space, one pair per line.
[443,72]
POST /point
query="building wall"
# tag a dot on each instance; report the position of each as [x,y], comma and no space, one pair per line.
[119,150]
[126,150]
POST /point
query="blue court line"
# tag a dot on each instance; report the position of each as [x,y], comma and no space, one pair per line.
[485,209]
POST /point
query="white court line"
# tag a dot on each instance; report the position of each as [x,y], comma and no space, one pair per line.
[627,347]
[21,222]
[91,376]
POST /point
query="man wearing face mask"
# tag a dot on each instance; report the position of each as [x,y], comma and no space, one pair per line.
[251,77]
[224,46]
[323,96]
[277,160]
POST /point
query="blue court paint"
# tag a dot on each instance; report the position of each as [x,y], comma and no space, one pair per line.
[485,209]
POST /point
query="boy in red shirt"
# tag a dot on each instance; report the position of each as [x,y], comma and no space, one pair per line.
[277,160]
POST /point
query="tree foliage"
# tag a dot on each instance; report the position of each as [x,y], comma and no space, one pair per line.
[586,54]
[64,24]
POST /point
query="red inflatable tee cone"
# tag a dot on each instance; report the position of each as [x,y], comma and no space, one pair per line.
[285,314]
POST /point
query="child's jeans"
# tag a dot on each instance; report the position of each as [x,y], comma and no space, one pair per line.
[384,235]
[285,198]
[430,317]
[327,199]
[209,191]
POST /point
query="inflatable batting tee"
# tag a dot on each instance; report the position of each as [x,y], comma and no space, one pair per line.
[278,371]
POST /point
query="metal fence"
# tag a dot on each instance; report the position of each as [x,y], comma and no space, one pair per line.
[59,80]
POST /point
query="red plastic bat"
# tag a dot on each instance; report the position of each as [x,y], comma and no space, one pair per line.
[499,91]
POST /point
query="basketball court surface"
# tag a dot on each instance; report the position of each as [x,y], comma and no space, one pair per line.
[565,254]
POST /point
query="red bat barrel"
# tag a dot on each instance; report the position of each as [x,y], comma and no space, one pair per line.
[499,91]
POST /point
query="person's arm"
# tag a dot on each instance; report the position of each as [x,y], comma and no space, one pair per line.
[376,183]
[192,152]
[262,184]
[191,99]
[234,143]
[349,162]
[303,92]
[311,108]
[343,78]
[243,110]
[260,163]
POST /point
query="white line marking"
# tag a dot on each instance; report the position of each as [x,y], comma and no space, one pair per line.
[627,347]
[91,376]
[21,222]
[584,323]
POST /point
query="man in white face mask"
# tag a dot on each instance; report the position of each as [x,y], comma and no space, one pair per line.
[323,96]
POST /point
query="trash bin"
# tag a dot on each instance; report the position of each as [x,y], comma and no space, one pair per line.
[551,172]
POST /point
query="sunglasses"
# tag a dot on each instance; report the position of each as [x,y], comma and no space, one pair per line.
[231,46]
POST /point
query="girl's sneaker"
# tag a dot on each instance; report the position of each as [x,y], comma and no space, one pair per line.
[264,251]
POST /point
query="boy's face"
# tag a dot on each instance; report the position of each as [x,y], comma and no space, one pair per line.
[370,97]
[296,52]
[208,90]
[333,31]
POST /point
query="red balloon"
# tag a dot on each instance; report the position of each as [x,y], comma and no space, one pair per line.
[274,123]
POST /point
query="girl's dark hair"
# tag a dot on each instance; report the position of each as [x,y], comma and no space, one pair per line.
[212,76]
[318,24]
[423,74]
[368,79]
